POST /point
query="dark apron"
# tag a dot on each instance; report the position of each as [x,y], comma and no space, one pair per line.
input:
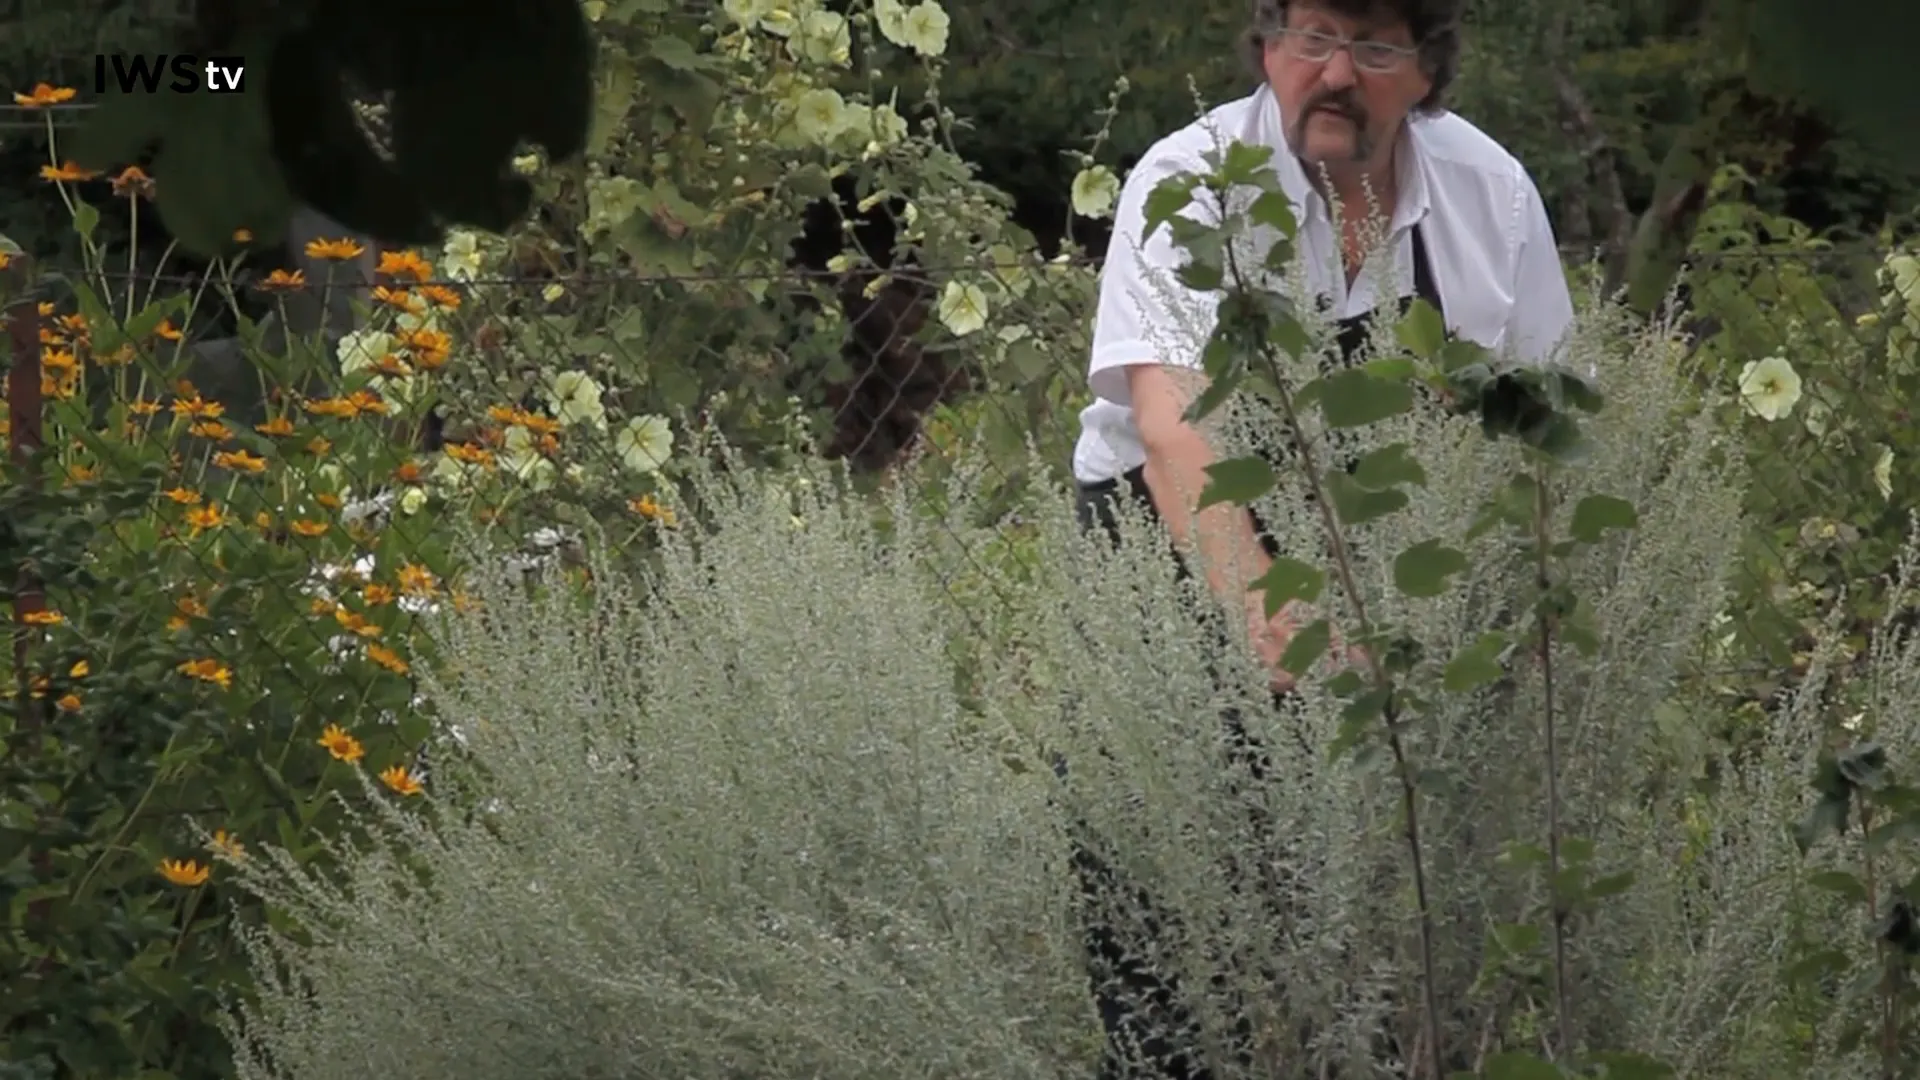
[1140,1008]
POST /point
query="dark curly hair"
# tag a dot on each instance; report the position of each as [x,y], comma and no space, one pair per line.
[1435,25]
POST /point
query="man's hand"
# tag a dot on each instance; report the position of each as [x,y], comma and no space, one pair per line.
[1271,637]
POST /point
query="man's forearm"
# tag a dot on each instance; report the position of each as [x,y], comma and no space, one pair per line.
[1222,535]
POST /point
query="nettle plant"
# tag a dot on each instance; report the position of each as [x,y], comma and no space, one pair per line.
[1396,680]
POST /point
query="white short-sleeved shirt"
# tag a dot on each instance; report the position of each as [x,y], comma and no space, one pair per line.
[1490,247]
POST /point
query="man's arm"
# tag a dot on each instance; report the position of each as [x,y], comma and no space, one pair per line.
[1543,307]
[1178,454]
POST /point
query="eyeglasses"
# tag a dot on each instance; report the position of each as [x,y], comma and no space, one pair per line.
[1377,57]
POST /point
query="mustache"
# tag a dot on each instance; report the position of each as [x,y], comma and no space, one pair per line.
[1339,104]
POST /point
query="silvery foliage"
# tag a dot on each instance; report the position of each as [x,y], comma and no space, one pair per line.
[738,816]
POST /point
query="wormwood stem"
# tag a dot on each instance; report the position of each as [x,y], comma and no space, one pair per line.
[1562,1009]
[1403,769]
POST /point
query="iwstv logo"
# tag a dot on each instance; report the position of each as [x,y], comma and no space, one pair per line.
[143,73]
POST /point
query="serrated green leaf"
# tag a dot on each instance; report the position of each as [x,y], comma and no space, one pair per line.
[1288,580]
[1422,331]
[1388,467]
[1167,199]
[1245,163]
[1595,514]
[1353,398]
[1236,480]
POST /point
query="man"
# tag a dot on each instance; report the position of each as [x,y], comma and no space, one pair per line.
[1351,103]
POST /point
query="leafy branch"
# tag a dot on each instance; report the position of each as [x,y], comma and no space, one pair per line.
[1535,405]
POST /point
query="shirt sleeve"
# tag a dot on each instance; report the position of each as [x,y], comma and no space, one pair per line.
[1144,315]
[1543,306]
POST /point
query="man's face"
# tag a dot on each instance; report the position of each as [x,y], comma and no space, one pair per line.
[1347,107]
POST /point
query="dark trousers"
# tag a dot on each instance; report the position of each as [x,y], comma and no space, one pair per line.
[1142,1007]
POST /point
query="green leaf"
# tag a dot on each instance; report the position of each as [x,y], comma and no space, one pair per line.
[1288,580]
[1396,368]
[1595,514]
[1632,1067]
[1236,480]
[615,87]
[1355,505]
[1422,331]
[1306,648]
[1611,885]
[1423,569]
[1827,817]
[1167,199]
[1840,882]
[1461,353]
[1476,665]
[1388,467]
[85,219]
[1353,398]
[1520,1067]
[674,52]
[1245,163]
[1274,210]
[1515,940]
[1352,731]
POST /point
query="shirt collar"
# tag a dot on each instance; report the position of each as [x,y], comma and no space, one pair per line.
[1409,166]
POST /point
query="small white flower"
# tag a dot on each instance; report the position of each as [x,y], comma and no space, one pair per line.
[360,350]
[1770,387]
[645,443]
[821,115]
[523,460]
[823,38]
[748,13]
[891,16]
[925,28]
[575,399]
[963,308]
[1094,192]
[460,255]
[413,499]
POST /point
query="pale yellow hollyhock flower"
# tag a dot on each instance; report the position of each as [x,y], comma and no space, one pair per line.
[1770,387]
